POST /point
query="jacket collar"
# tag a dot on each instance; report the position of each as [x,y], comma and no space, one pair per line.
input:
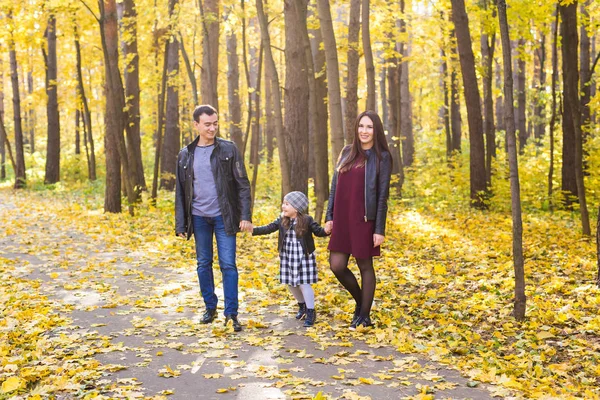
[194,143]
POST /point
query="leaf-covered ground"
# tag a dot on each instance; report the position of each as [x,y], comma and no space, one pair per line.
[444,296]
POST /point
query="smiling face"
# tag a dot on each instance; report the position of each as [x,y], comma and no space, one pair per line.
[207,128]
[365,132]
[288,210]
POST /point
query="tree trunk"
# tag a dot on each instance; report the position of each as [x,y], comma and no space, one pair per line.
[473,102]
[31,120]
[445,109]
[77,131]
[351,110]
[488,45]
[572,102]
[296,95]
[160,119]
[499,100]
[190,70]
[87,120]
[20,178]
[172,142]
[209,12]
[521,96]
[336,124]
[584,62]
[4,139]
[320,140]
[406,125]
[233,91]
[515,191]
[255,145]
[553,117]
[271,72]
[132,97]
[455,117]
[269,120]
[394,117]
[53,146]
[115,148]
[2,132]
[368,54]
[540,104]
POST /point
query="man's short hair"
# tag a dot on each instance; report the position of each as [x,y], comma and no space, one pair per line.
[203,109]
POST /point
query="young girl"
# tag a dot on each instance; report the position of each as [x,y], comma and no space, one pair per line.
[298,268]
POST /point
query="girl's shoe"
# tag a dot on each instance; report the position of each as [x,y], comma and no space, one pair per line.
[311,317]
[355,315]
[365,322]
[301,311]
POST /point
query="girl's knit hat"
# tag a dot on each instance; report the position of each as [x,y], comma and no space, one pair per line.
[298,200]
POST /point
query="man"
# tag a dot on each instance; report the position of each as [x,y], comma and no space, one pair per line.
[212,196]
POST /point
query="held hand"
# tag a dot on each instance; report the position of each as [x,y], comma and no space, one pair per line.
[377,239]
[182,235]
[246,226]
[328,227]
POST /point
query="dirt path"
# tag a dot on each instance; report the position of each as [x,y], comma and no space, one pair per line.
[137,315]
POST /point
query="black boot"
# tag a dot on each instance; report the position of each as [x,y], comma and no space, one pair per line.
[208,316]
[311,317]
[301,311]
[237,327]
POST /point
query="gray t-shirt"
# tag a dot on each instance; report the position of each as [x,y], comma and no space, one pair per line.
[206,201]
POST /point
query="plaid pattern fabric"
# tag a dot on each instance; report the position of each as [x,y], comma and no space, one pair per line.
[296,268]
[298,200]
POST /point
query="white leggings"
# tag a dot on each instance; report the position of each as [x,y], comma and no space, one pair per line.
[304,294]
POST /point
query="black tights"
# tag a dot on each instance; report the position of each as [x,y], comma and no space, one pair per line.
[338,263]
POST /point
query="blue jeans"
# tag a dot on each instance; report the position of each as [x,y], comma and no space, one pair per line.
[204,227]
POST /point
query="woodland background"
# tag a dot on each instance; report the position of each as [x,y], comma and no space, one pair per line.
[96,101]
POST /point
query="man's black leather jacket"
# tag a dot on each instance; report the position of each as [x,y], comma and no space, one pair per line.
[377,188]
[306,240]
[231,181]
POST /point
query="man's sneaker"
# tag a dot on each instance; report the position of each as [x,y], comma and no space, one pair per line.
[209,315]
[237,327]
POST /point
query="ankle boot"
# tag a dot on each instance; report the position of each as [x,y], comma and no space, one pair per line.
[311,317]
[301,311]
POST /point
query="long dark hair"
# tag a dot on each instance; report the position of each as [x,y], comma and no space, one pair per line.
[357,154]
[301,223]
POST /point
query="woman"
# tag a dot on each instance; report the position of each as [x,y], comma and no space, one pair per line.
[357,211]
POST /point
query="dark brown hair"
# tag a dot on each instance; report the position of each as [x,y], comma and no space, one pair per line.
[301,223]
[357,155]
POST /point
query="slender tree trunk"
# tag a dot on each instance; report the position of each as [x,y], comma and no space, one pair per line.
[572,102]
[515,191]
[77,131]
[296,95]
[320,139]
[473,102]
[584,62]
[455,117]
[190,70]
[521,96]
[87,120]
[540,103]
[499,100]
[233,91]
[553,117]
[269,120]
[6,143]
[445,109]
[210,51]
[256,137]
[115,148]
[488,45]
[351,109]
[132,97]
[160,120]
[53,146]
[172,138]
[383,91]
[336,124]
[31,120]
[271,71]
[2,133]
[368,54]
[20,178]
[394,117]
[406,124]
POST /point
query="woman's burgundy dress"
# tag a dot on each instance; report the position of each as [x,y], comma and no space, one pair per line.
[351,234]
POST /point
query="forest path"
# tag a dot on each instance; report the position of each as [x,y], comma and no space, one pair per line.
[135,311]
